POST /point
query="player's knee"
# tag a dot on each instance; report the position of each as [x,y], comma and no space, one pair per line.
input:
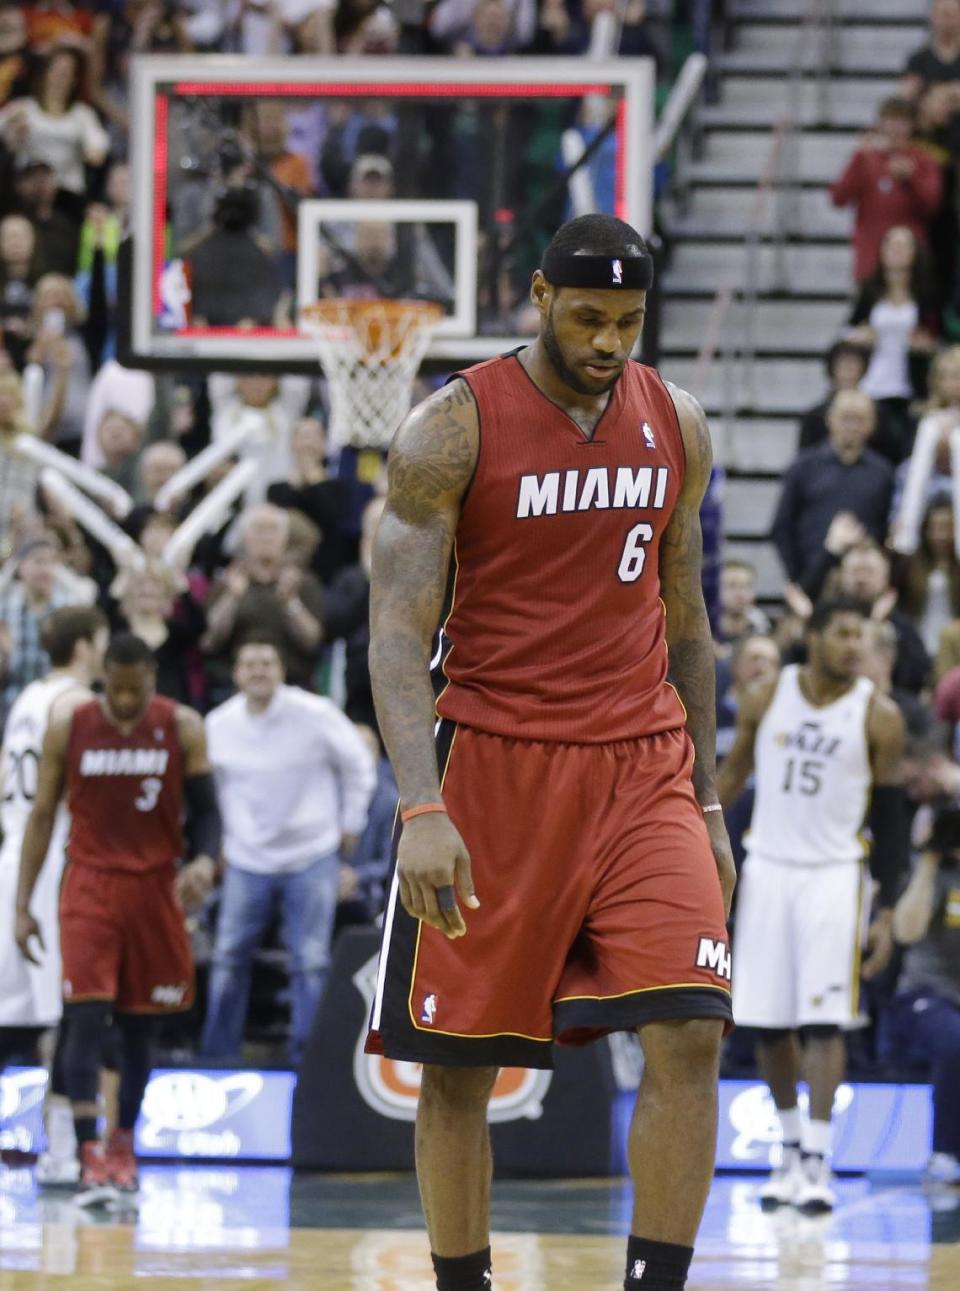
[87,1029]
[820,1034]
[683,1052]
[457,1089]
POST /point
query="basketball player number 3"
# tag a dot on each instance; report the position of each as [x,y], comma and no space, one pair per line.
[634,553]
[149,793]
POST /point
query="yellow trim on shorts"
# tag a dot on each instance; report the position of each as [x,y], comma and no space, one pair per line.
[857,949]
[645,990]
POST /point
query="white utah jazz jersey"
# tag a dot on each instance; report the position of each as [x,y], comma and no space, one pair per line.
[20,761]
[813,776]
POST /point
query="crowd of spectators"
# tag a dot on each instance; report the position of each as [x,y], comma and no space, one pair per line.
[867,510]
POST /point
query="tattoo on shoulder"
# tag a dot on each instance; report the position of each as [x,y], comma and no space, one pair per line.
[434,453]
[696,432]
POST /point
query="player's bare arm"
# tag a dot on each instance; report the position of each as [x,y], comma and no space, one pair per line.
[886,733]
[431,463]
[689,638]
[197,878]
[51,779]
[737,765]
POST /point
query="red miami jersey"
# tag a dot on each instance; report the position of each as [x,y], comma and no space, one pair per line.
[125,792]
[556,630]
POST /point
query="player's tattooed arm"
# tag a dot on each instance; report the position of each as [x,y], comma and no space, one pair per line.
[51,778]
[689,638]
[432,461]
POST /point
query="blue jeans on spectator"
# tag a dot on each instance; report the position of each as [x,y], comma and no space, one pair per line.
[929,1027]
[308,903]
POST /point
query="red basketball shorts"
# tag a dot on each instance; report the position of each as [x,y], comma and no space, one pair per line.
[600,905]
[123,938]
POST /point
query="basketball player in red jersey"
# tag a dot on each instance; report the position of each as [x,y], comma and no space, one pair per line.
[125,762]
[562,485]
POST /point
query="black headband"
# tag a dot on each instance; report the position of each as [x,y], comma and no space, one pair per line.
[628,273]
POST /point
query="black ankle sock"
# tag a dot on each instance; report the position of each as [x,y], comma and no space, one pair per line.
[464,1272]
[86,1128]
[656,1266]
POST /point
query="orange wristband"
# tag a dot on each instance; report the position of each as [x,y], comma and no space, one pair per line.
[422,810]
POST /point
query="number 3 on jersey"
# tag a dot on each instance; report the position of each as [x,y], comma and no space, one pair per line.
[149,793]
[634,553]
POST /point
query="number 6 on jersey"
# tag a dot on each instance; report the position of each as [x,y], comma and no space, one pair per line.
[634,553]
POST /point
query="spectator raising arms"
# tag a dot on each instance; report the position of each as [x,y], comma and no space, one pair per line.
[264,591]
[889,181]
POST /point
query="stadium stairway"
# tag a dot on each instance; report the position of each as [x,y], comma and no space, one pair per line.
[801,311]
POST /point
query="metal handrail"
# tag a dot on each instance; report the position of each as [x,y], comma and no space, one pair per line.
[683,94]
[780,176]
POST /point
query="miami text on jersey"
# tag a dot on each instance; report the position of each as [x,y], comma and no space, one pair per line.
[135,762]
[602,488]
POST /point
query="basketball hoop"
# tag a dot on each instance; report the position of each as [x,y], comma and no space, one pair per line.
[371,351]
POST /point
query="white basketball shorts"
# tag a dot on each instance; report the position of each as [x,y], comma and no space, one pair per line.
[796,943]
[29,995]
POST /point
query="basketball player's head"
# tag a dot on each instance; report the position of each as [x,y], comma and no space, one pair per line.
[129,677]
[590,293]
[76,637]
[258,670]
[835,638]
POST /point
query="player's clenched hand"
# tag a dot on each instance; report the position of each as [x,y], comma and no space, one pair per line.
[723,855]
[879,945]
[433,864]
[195,882]
[27,927]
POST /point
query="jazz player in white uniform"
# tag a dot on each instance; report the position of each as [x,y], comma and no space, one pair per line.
[30,995]
[825,745]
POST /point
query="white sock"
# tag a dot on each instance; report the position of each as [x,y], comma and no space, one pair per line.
[818,1138]
[791,1124]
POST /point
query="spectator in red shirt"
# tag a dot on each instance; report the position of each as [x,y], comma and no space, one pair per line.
[57,22]
[889,181]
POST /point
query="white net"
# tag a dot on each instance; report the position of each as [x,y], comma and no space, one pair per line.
[370,351]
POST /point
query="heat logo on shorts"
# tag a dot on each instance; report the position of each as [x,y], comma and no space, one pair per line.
[429,1011]
[714,955]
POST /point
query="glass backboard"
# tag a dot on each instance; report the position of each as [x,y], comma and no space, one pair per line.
[493,154]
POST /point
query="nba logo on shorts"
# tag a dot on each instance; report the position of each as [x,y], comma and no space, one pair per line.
[639,1267]
[616,268]
[429,1009]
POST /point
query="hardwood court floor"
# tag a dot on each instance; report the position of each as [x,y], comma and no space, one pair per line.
[216,1229]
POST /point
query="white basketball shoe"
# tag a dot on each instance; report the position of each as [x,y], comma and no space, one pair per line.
[59,1166]
[943,1168]
[785,1181]
[816,1195]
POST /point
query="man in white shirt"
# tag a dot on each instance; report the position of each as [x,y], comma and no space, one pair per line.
[294,780]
